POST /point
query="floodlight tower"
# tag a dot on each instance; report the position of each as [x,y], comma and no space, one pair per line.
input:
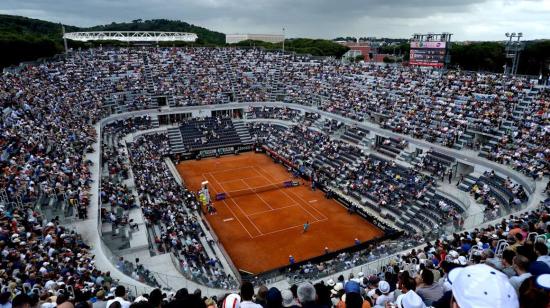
[513,50]
[284,39]
[64,39]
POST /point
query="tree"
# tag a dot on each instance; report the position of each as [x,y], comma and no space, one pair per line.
[387,59]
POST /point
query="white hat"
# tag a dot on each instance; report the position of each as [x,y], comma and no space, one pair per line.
[462,260]
[384,286]
[232,301]
[360,274]
[140,299]
[411,300]
[480,285]
[331,283]
[544,281]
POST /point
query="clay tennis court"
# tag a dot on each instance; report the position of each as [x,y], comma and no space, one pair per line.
[260,230]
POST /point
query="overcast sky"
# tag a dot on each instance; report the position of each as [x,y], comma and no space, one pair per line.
[466,19]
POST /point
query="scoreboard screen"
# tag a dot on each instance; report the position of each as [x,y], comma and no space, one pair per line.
[428,54]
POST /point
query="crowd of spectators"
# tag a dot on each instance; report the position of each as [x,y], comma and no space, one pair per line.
[172,211]
[193,76]
[501,265]
[45,263]
[48,112]
[397,192]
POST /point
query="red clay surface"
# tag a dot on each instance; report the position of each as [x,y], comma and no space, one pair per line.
[259,231]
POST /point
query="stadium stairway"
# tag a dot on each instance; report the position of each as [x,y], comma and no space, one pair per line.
[468,182]
[276,90]
[406,156]
[171,101]
[242,131]
[150,88]
[355,135]
[176,141]
[155,121]
[232,77]
[464,139]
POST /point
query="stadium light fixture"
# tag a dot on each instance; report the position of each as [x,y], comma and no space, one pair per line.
[284,39]
[513,49]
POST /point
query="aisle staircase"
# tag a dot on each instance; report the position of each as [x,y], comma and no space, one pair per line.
[242,131]
[176,141]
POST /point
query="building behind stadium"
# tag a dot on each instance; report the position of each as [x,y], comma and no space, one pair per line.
[270,38]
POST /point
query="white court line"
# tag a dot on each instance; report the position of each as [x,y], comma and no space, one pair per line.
[235,169]
[228,219]
[250,177]
[242,225]
[284,192]
[297,196]
[252,223]
[285,229]
[233,213]
[273,210]
[258,195]
[315,209]
[312,201]
[217,182]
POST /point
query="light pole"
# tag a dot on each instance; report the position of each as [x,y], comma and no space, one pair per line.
[283,39]
[64,39]
[513,49]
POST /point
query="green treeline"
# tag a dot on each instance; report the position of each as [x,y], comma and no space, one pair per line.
[26,39]
[313,47]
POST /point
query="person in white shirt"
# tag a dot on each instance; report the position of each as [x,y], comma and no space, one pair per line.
[386,296]
[542,252]
[520,266]
[120,295]
[247,292]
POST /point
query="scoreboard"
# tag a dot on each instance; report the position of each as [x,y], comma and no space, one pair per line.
[432,53]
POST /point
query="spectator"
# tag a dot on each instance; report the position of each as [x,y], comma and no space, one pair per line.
[533,292]
[288,299]
[232,300]
[247,294]
[383,294]
[307,296]
[542,252]
[120,297]
[482,286]
[261,296]
[274,298]
[100,300]
[21,301]
[521,264]
[426,288]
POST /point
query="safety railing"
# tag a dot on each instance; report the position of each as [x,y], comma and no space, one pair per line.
[166,282]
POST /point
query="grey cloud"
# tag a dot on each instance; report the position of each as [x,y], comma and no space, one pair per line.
[312,18]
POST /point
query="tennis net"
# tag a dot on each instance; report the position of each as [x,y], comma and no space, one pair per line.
[255,190]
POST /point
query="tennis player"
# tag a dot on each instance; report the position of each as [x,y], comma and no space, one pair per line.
[306,226]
